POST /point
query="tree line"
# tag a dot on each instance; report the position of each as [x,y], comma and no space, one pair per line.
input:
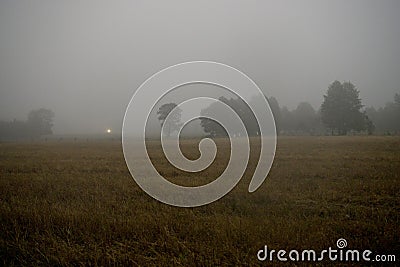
[39,122]
[340,113]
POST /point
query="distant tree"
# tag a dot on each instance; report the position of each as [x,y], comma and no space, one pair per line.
[244,112]
[305,118]
[397,99]
[287,121]
[13,130]
[386,119]
[211,127]
[40,122]
[175,117]
[246,115]
[276,112]
[302,120]
[369,125]
[341,109]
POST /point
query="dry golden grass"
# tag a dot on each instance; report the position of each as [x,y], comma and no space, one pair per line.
[76,204]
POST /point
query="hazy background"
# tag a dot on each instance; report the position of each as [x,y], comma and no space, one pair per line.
[84,59]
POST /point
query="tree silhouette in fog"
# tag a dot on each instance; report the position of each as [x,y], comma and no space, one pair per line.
[386,119]
[173,123]
[397,99]
[213,129]
[276,112]
[303,120]
[341,109]
[39,123]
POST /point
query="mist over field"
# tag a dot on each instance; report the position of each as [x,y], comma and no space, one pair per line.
[84,60]
[309,161]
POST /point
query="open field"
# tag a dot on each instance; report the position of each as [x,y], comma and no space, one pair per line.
[64,203]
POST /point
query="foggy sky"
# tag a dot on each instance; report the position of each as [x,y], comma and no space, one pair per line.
[85,59]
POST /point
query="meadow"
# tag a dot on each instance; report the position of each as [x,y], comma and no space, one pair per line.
[75,203]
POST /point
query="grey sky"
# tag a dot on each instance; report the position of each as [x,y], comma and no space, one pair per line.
[84,59]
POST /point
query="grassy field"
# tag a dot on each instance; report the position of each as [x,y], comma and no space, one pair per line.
[75,203]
